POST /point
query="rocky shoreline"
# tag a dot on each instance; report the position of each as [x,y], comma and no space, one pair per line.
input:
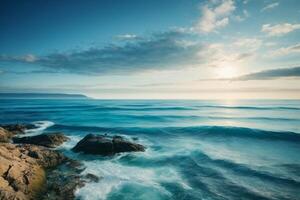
[31,169]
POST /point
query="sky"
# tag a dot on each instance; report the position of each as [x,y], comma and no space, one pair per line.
[152,49]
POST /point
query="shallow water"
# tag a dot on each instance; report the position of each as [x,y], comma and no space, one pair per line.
[195,149]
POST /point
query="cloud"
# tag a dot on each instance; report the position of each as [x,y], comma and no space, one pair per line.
[166,50]
[270,6]
[127,37]
[286,50]
[220,55]
[279,29]
[271,74]
[215,16]
[242,17]
[249,43]
[171,50]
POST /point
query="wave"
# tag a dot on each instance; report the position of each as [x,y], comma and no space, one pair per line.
[162,118]
[201,131]
[40,127]
[251,107]
[104,108]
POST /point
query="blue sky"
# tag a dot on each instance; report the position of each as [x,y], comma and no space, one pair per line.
[152,49]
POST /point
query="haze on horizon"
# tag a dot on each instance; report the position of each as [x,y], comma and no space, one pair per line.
[166,49]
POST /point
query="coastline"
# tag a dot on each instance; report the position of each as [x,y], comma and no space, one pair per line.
[31,167]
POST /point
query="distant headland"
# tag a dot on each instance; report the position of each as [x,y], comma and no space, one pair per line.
[41,96]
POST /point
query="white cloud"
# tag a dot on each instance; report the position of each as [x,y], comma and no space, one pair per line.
[241,18]
[127,36]
[286,50]
[30,58]
[248,43]
[215,15]
[279,29]
[270,6]
[220,55]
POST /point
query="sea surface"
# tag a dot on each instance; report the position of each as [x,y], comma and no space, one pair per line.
[210,150]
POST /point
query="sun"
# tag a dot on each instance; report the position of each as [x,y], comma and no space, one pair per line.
[226,71]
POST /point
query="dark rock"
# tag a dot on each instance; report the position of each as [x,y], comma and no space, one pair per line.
[48,140]
[92,178]
[62,182]
[18,128]
[102,145]
[121,145]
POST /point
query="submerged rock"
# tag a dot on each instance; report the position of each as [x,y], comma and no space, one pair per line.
[22,170]
[48,140]
[103,145]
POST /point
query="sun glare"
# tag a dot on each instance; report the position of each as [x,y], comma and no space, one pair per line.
[227,71]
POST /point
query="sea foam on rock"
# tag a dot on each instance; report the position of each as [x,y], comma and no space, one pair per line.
[104,145]
[18,128]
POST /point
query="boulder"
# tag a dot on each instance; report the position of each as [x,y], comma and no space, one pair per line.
[50,140]
[104,145]
[22,170]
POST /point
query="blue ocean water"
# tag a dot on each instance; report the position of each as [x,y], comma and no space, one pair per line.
[247,149]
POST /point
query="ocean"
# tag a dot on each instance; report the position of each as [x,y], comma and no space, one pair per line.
[196,149]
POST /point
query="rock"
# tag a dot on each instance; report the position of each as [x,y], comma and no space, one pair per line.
[22,170]
[92,178]
[48,140]
[103,145]
[121,145]
[63,181]
[18,128]
[5,135]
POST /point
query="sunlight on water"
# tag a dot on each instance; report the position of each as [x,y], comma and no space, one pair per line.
[195,149]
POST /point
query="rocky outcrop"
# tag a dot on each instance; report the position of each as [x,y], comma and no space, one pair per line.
[50,140]
[104,145]
[22,170]
[18,128]
[62,182]
[5,135]
[32,171]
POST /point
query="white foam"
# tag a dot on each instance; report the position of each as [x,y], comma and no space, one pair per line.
[114,175]
[40,127]
[73,140]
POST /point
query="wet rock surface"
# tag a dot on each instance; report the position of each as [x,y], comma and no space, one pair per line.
[63,181]
[50,140]
[18,128]
[104,145]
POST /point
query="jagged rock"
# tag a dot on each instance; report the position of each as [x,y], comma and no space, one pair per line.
[22,170]
[103,145]
[5,135]
[63,181]
[18,128]
[50,140]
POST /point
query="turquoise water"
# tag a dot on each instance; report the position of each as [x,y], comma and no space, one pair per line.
[195,149]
